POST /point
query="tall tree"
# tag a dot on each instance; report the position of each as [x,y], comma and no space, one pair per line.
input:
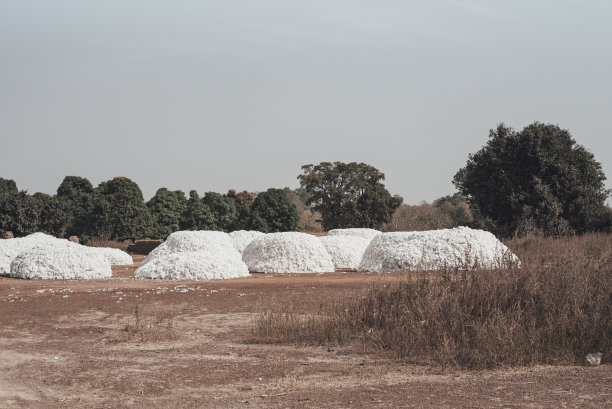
[272,211]
[167,208]
[535,181]
[242,201]
[197,216]
[80,195]
[7,186]
[223,211]
[348,194]
[121,212]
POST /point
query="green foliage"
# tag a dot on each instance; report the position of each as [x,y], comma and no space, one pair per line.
[167,209]
[25,214]
[7,186]
[536,181]
[272,211]
[457,209]
[242,202]
[80,197]
[348,194]
[223,211]
[121,212]
[197,216]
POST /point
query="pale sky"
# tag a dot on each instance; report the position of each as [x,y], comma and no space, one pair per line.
[214,95]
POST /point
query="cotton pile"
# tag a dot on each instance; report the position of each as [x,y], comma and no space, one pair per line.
[288,252]
[359,232]
[242,238]
[114,256]
[60,260]
[461,247]
[345,251]
[10,248]
[194,255]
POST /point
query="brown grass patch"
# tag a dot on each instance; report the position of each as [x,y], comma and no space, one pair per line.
[153,329]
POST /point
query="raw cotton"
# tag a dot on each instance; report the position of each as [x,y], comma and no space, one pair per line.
[60,261]
[199,265]
[359,232]
[114,256]
[461,248]
[345,251]
[288,252]
[242,238]
[10,248]
[190,241]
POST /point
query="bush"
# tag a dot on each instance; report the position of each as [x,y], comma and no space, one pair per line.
[167,209]
[272,211]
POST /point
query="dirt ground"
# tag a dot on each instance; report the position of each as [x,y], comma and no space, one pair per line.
[62,345]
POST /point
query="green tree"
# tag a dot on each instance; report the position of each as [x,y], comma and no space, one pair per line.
[121,212]
[80,196]
[457,209]
[535,181]
[272,211]
[348,194]
[7,186]
[223,211]
[197,216]
[242,201]
[167,209]
[25,214]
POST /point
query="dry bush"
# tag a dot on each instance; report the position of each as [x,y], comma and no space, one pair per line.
[121,245]
[418,218]
[157,328]
[309,220]
[555,309]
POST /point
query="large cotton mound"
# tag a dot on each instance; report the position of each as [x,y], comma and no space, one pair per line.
[359,232]
[242,238]
[199,265]
[288,252]
[345,251]
[114,256]
[460,247]
[190,241]
[10,248]
[60,261]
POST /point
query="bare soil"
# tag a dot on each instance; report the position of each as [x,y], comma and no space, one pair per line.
[62,344]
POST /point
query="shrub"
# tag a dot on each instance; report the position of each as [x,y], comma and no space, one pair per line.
[272,212]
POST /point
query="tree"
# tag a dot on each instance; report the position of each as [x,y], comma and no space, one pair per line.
[457,209]
[80,196]
[535,181]
[121,212]
[25,214]
[167,209]
[197,216]
[272,211]
[242,202]
[348,194]
[223,211]
[7,186]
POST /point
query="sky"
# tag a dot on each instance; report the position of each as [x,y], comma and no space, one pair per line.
[239,94]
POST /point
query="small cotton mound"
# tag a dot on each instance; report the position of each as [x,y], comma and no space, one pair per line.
[359,232]
[242,238]
[60,261]
[10,248]
[460,247]
[114,256]
[288,252]
[200,265]
[345,251]
[191,241]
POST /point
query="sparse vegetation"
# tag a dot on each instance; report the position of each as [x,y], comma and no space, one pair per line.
[556,309]
[153,329]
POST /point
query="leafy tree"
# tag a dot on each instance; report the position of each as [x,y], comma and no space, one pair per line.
[25,214]
[535,181]
[121,212]
[457,209]
[7,186]
[197,216]
[272,211]
[348,194]
[167,209]
[223,211]
[81,197]
[242,202]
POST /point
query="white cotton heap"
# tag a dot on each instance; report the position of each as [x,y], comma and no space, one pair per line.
[242,238]
[458,248]
[198,265]
[60,261]
[288,252]
[114,256]
[345,251]
[10,248]
[190,241]
[359,232]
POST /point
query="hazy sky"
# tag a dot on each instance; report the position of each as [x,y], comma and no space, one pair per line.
[212,95]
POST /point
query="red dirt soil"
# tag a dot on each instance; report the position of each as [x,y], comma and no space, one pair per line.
[61,345]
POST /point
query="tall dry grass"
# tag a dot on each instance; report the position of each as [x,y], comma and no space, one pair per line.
[555,309]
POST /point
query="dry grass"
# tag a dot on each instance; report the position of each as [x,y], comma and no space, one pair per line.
[153,329]
[420,217]
[122,245]
[555,309]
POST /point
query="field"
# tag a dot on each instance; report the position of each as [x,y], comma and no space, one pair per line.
[141,344]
